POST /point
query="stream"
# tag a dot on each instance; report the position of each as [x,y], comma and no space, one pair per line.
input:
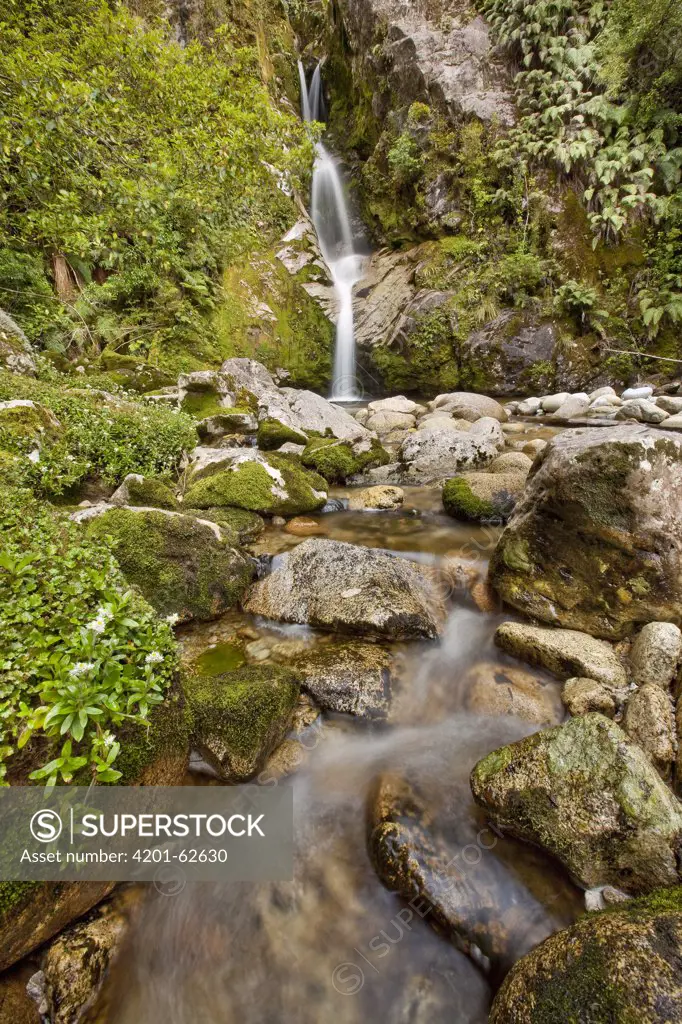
[335,943]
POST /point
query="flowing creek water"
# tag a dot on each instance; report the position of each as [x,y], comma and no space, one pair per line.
[335,943]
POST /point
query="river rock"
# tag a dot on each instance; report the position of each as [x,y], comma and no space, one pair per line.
[468,406]
[442,421]
[573,408]
[563,652]
[656,653]
[427,844]
[636,393]
[595,543]
[591,798]
[212,428]
[670,404]
[246,478]
[387,420]
[620,965]
[383,498]
[146,492]
[649,721]
[17,1006]
[315,415]
[354,589]
[606,392]
[534,447]
[490,429]
[353,678]
[642,410]
[32,912]
[431,455]
[492,689]
[581,696]
[511,462]
[674,422]
[240,717]
[182,565]
[303,526]
[396,404]
[528,407]
[75,964]
[483,497]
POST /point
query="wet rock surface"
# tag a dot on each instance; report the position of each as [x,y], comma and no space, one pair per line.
[594,544]
[353,678]
[590,797]
[352,589]
[619,965]
[564,652]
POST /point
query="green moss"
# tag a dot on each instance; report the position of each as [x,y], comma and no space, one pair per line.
[239,717]
[249,485]
[202,404]
[336,461]
[244,525]
[177,564]
[13,895]
[150,492]
[460,502]
[272,435]
[24,424]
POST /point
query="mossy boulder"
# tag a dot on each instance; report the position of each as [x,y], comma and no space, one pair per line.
[240,717]
[228,421]
[271,484]
[591,798]
[144,492]
[32,912]
[239,523]
[482,497]
[133,373]
[620,966]
[24,423]
[595,543]
[337,460]
[272,435]
[183,566]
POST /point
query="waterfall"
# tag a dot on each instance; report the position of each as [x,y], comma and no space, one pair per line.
[331,218]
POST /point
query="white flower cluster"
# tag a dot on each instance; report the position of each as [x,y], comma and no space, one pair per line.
[81,668]
[173,619]
[99,623]
[153,658]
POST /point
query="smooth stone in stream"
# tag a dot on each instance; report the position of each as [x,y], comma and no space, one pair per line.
[468,406]
[572,408]
[550,403]
[650,722]
[669,404]
[352,589]
[302,526]
[563,652]
[492,689]
[383,498]
[396,404]
[353,678]
[590,797]
[656,653]
[636,393]
[642,410]
[427,844]
[608,968]
[510,462]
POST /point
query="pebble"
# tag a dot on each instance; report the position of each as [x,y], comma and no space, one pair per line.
[303,526]
[278,521]
[631,393]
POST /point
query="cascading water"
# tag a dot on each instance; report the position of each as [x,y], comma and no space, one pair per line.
[330,215]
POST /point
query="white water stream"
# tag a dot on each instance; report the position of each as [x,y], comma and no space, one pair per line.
[331,217]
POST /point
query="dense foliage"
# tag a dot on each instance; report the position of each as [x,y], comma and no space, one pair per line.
[99,436]
[132,169]
[600,96]
[81,653]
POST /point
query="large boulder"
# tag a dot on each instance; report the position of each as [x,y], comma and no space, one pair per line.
[431,455]
[591,798]
[336,461]
[613,967]
[352,589]
[245,478]
[182,565]
[238,718]
[595,543]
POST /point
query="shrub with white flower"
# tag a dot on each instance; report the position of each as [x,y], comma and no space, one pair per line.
[73,683]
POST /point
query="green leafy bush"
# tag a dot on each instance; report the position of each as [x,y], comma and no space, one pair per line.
[81,653]
[138,166]
[102,437]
